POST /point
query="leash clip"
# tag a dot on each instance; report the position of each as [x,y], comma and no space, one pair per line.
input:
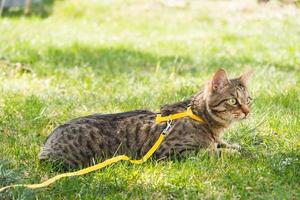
[166,130]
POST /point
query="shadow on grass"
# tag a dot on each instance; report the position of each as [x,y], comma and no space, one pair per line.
[42,9]
[112,60]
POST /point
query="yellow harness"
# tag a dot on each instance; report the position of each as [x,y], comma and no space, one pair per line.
[159,119]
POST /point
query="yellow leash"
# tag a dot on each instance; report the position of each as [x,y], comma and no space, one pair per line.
[159,119]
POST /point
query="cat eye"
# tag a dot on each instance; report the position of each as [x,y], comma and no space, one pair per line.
[232,101]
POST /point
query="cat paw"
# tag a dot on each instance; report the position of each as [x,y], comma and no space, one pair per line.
[229,151]
[226,145]
[235,147]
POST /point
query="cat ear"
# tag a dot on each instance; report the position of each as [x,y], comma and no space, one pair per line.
[244,78]
[219,81]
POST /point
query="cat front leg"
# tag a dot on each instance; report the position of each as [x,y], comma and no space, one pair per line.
[225,144]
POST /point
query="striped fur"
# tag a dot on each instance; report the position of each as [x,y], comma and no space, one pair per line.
[80,141]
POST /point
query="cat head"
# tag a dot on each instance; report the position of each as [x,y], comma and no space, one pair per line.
[228,100]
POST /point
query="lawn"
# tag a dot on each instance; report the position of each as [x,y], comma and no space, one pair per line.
[81,57]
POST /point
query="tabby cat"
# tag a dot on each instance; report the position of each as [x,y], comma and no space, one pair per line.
[80,141]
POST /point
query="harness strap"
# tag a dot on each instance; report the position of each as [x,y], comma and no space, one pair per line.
[187,113]
[159,119]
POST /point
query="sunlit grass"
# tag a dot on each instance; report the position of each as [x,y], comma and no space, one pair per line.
[83,57]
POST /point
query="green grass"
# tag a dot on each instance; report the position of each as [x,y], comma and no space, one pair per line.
[84,57]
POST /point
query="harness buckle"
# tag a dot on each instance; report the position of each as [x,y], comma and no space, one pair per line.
[168,127]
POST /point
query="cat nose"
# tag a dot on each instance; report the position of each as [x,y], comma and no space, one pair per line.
[245,110]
